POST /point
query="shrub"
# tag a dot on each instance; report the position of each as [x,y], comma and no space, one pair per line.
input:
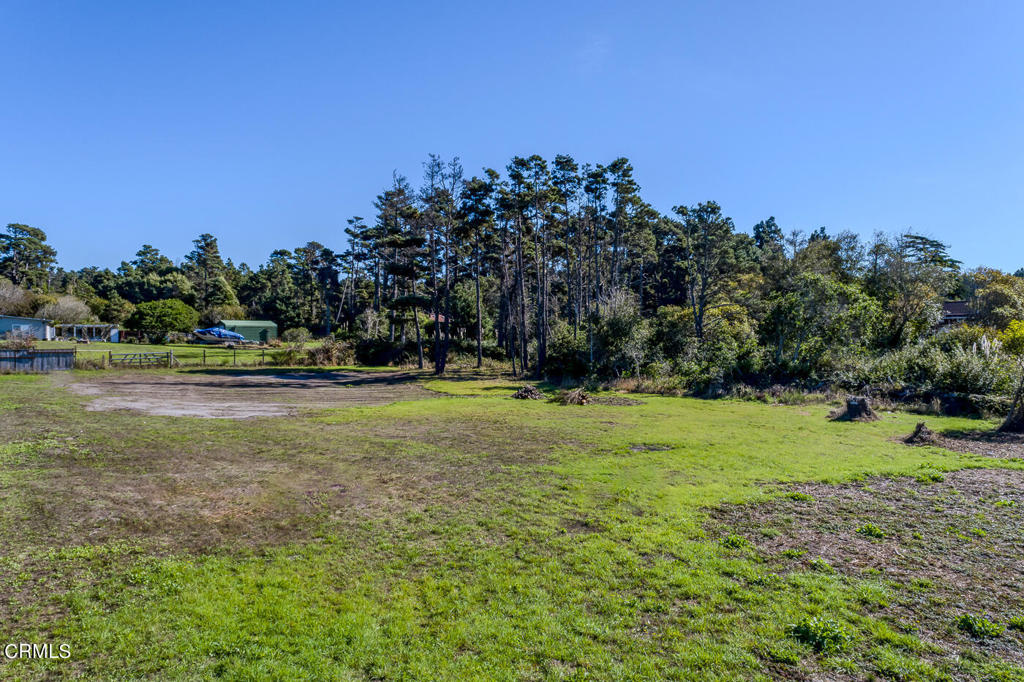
[298,335]
[331,353]
[978,626]
[18,341]
[160,317]
[1017,623]
[1012,338]
[823,634]
[384,352]
[978,369]
[621,336]
[66,309]
[14,300]
[568,353]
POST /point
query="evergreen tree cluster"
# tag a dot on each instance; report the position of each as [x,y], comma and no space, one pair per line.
[558,269]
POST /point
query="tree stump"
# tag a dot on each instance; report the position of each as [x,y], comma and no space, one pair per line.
[922,435]
[858,409]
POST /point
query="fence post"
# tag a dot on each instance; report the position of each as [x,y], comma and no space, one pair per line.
[234,357]
[110,358]
[204,357]
[263,357]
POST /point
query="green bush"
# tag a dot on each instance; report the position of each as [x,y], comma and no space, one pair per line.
[568,352]
[290,356]
[298,335]
[330,353]
[378,352]
[160,317]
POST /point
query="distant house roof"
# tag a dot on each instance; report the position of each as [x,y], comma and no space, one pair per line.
[249,323]
[29,319]
[86,324]
[957,309]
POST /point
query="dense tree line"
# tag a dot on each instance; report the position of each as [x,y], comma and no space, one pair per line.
[561,269]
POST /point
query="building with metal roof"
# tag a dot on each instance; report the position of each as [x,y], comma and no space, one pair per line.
[261,331]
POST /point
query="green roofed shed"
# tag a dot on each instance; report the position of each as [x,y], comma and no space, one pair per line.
[252,330]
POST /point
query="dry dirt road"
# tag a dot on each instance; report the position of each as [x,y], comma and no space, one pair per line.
[241,395]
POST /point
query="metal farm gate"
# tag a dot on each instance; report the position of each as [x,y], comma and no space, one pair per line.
[140,359]
[36,360]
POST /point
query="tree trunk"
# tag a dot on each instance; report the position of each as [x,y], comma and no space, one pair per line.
[521,275]
[479,321]
[1015,420]
[416,317]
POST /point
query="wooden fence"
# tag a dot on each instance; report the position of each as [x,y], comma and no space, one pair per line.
[37,360]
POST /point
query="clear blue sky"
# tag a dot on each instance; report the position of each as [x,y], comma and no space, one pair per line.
[269,124]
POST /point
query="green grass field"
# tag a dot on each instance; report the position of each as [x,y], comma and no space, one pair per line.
[186,353]
[471,536]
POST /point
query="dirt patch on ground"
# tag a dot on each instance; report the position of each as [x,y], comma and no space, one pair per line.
[615,400]
[987,443]
[950,544]
[649,447]
[232,395]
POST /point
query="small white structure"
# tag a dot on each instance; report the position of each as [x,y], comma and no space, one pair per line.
[90,332]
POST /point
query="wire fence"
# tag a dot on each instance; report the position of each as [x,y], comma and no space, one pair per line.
[86,358]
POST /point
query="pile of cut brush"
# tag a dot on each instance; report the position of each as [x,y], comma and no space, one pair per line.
[576,396]
[528,392]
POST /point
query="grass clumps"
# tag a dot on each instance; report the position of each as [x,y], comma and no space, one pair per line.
[799,497]
[930,477]
[979,626]
[1016,623]
[870,530]
[733,541]
[822,634]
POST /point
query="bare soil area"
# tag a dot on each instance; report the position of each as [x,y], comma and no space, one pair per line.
[238,395]
[987,443]
[950,544]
